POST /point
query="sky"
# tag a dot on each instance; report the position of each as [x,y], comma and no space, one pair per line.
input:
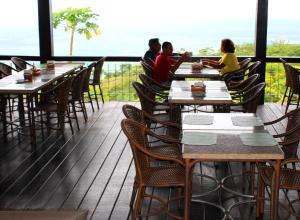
[136,13]
[127,24]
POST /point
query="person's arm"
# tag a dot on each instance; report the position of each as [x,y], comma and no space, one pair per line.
[213,63]
[183,58]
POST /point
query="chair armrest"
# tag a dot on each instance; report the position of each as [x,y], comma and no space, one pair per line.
[167,123]
[160,157]
[164,138]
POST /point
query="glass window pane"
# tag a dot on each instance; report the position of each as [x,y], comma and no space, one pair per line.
[284,28]
[19,28]
[126,26]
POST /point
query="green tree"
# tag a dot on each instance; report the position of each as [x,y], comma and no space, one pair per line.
[80,20]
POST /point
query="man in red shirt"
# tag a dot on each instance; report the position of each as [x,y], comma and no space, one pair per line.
[165,65]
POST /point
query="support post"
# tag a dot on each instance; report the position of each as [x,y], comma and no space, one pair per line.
[261,39]
[45,29]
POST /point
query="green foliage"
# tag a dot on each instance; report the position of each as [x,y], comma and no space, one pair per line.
[80,20]
[283,48]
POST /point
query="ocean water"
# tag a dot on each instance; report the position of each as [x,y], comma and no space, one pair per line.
[133,42]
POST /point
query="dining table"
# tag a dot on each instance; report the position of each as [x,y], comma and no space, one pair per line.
[15,84]
[228,137]
[206,72]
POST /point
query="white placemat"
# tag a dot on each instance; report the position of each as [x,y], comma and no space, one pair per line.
[199,138]
[258,139]
[198,119]
[246,121]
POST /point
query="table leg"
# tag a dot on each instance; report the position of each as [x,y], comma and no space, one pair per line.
[3,114]
[21,110]
[187,190]
[31,122]
[275,190]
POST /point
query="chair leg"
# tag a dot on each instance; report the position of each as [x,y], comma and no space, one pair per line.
[42,122]
[69,120]
[96,97]
[75,115]
[289,101]
[83,110]
[139,202]
[298,100]
[284,96]
[91,101]
[101,93]
[133,195]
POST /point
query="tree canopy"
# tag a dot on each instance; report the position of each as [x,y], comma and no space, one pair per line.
[80,20]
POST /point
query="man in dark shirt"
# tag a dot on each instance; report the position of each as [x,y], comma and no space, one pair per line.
[152,53]
[165,65]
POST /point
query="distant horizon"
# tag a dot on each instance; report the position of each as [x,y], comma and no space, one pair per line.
[127,28]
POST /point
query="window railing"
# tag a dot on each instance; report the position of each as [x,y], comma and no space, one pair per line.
[117,78]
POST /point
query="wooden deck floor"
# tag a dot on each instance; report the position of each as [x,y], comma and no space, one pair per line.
[93,169]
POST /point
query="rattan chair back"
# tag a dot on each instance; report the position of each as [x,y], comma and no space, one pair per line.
[133,113]
[147,69]
[19,63]
[146,97]
[293,76]
[287,75]
[137,137]
[245,62]
[293,124]
[252,96]
[98,71]
[61,93]
[78,83]
[86,80]
[253,68]
[5,70]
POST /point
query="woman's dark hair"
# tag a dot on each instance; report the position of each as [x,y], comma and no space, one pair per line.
[166,44]
[227,46]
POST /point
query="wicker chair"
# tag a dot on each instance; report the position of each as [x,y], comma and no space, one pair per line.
[147,69]
[169,128]
[148,100]
[244,85]
[245,62]
[149,82]
[86,84]
[248,100]
[293,76]
[58,104]
[243,67]
[20,64]
[289,180]
[287,81]
[76,96]
[241,75]
[159,176]
[5,70]
[96,81]
[292,133]
[290,175]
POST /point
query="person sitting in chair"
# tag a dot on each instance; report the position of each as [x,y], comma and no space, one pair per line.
[165,65]
[153,52]
[228,62]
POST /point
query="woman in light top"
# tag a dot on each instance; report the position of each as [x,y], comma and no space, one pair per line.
[228,62]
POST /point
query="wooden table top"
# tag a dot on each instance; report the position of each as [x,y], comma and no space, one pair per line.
[9,85]
[216,93]
[220,121]
[209,73]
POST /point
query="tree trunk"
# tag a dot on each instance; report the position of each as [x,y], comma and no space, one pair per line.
[72,42]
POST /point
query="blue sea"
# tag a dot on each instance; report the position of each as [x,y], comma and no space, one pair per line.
[133,42]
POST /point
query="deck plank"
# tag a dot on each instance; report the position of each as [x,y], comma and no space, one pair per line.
[92,169]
